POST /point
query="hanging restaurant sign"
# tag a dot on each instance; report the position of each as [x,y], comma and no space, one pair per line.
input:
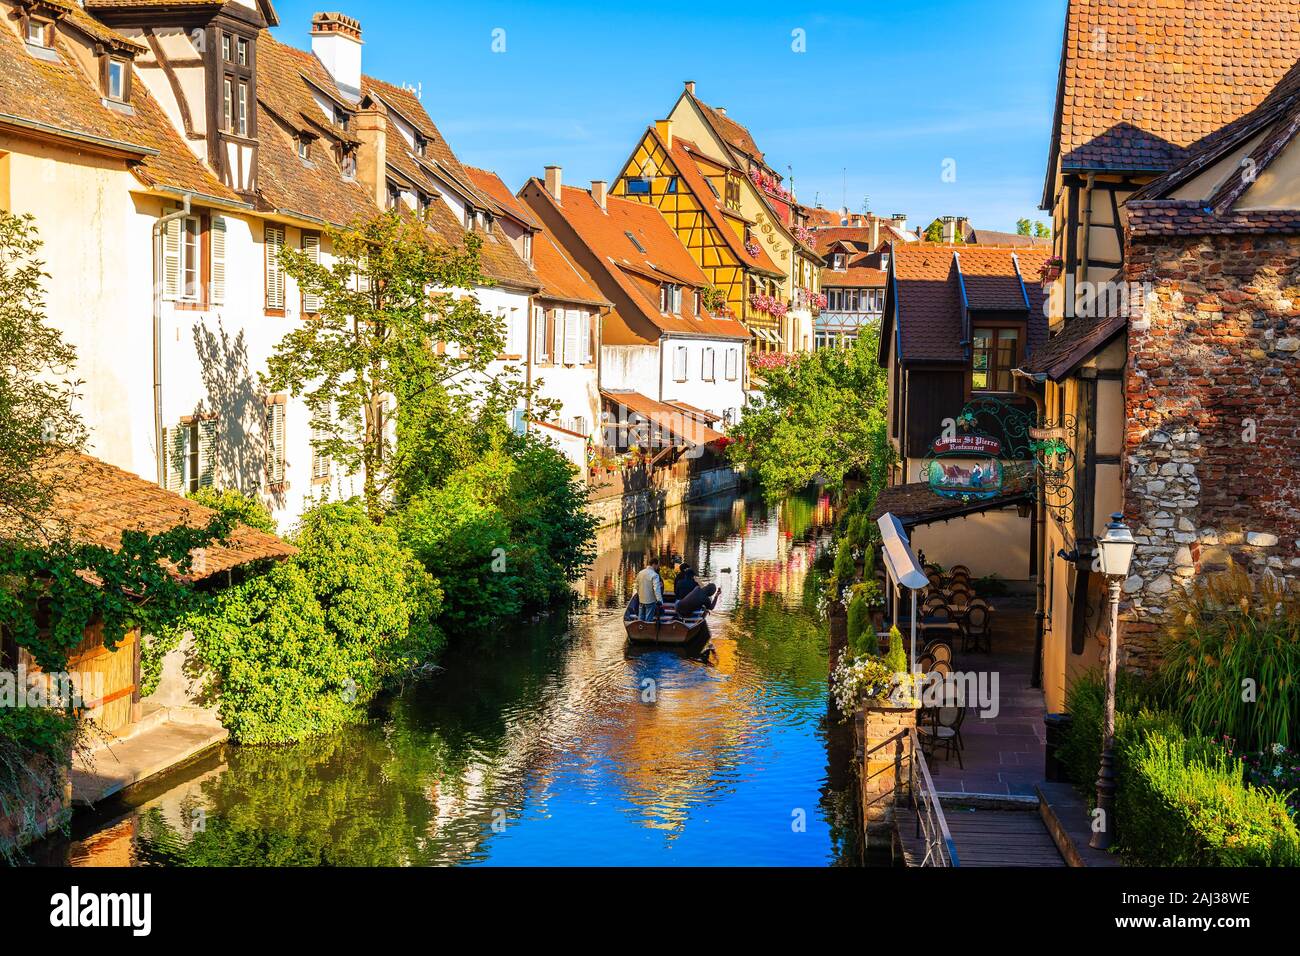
[967,445]
[980,453]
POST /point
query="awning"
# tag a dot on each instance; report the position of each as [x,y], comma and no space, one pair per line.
[675,422]
[916,504]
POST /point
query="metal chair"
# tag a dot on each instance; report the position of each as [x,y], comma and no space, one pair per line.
[977,628]
[945,731]
[957,569]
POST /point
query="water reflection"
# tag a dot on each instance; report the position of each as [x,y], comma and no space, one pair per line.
[555,743]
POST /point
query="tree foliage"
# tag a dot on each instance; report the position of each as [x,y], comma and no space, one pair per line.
[36,392]
[394,324]
[820,417]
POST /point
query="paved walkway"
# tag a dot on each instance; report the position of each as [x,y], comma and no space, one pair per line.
[127,762]
[1004,754]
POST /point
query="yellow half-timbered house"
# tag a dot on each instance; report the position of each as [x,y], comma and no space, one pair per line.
[691,190]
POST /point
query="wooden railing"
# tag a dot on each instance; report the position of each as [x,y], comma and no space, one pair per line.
[931,827]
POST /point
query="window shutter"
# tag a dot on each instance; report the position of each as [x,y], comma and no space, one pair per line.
[218,234]
[172,260]
[732,361]
[555,334]
[174,459]
[679,364]
[274,271]
[275,442]
[589,351]
[207,452]
[708,365]
[539,335]
[311,246]
[572,328]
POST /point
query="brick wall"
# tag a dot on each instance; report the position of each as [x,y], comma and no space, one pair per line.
[1212,443]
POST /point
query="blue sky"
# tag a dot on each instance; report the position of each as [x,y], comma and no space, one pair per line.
[884,94]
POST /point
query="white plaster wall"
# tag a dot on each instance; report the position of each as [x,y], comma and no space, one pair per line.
[720,396]
[634,367]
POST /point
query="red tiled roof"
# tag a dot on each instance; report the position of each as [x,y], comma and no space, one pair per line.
[61,99]
[1142,80]
[729,131]
[99,502]
[491,185]
[675,418]
[1080,337]
[561,279]
[855,276]
[608,234]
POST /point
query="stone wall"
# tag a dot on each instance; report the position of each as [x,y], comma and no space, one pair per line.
[1212,444]
[42,806]
[670,492]
[885,732]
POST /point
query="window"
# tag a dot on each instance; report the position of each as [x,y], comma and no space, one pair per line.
[190,258]
[528,247]
[228,104]
[635,242]
[638,186]
[342,117]
[227,47]
[589,321]
[304,148]
[274,242]
[733,364]
[38,32]
[311,304]
[242,58]
[191,460]
[670,298]
[679,364]
[115,85]
[709,366]
[839,261]
[672,185]
[574,349]
[241,119]
[696,302]
[348,165]
[275,441]
[995,352]
[421,145]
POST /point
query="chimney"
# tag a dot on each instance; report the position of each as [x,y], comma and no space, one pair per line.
[665,128]
[720,110]
[554,179]
[875,234]
[899,219]
[336,41]
[690,87]
[371,129]
[949,229]
[598,192]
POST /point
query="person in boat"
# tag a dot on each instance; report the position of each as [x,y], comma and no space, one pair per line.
[685,582]
[650,591]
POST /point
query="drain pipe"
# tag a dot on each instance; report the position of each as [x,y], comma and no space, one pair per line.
[1037,380]
[159,227]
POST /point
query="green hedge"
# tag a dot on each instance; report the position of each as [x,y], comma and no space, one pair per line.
[1180,801]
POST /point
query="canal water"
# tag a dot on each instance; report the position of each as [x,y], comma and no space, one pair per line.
[555,743]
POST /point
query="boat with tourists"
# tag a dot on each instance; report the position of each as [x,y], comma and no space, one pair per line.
[679,621]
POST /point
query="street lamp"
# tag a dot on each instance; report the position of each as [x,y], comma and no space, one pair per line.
[1114,555]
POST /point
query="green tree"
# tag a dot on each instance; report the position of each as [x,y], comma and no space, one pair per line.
[394,326]
[36,393]
[1042,231]
[1023,227]
[820,417]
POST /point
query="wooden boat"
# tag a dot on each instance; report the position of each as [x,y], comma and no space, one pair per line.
[673,628]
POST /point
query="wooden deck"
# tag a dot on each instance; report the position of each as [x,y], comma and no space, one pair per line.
[1012,838]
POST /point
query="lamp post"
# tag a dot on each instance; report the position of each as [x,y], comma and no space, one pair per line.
[1114,555]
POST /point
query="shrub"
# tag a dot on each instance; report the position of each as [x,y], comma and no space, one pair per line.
[268,653]
[859,623]
[896,659]
[245,509]
[379,602]
[1184,803]
[1180,801]
[1230,630]
[844,570]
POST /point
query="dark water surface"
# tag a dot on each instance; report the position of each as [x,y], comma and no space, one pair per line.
[554,744]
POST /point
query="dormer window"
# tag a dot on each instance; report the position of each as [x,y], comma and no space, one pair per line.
[304,149]
[236,89]
[241,51]
[670,298]
[341,117]
[839,262]
[421,145]
[40,33]
[115,73]
[348,164]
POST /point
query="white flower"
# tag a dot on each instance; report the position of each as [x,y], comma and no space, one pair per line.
[1278,750]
